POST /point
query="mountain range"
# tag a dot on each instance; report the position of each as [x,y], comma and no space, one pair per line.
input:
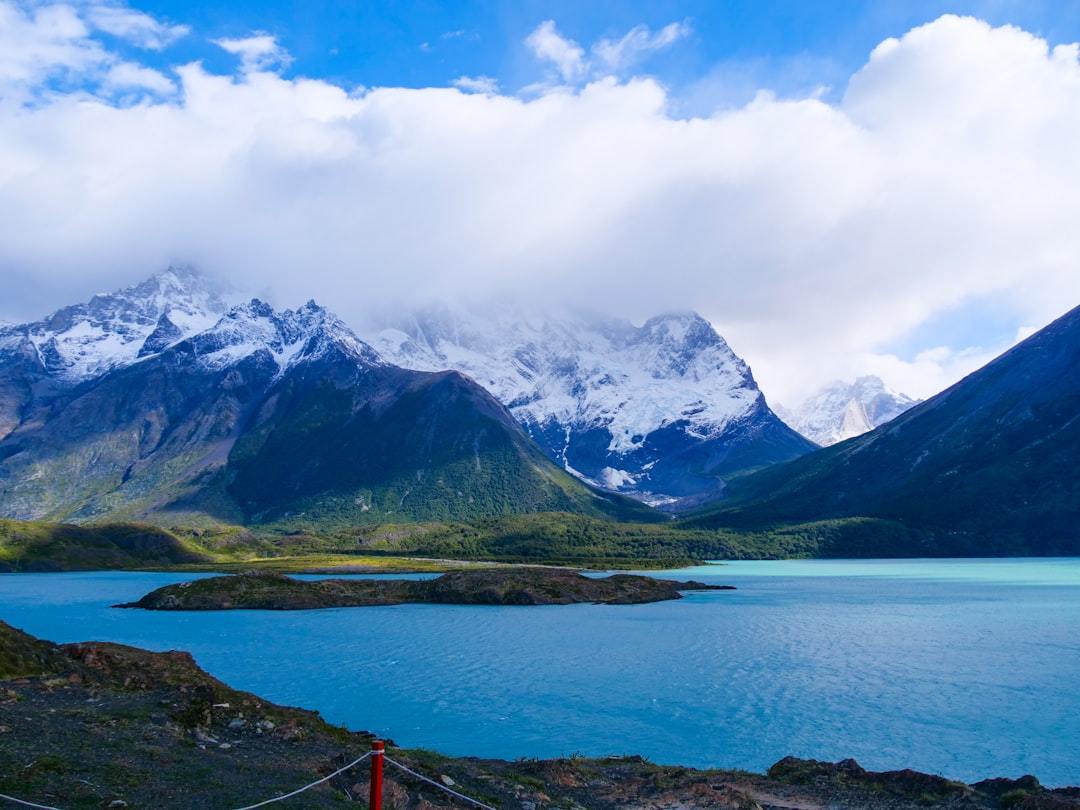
[169,403]
[167,398]
[662,412]
[842,410]
[130,407]
[987,467]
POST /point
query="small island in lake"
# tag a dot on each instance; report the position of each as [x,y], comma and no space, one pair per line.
[263,590]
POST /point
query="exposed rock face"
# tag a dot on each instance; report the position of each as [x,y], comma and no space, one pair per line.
[987,467]
[262,416]
[661,412]
[842,411]
[499,586]
[78,344]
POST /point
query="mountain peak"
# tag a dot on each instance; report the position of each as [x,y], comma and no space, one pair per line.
[288,337]
[985,468]
[623,407]
[841,410]
[84,341]
[676,325]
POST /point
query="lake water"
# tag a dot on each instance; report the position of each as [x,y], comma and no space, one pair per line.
[970,669]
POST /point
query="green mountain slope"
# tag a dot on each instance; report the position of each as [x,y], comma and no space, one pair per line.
[986,467]
[283,419]
[410,446]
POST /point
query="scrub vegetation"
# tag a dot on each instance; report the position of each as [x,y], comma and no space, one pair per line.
[552,538]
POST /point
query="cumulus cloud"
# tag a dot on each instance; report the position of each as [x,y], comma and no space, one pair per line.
[127,75]
[548,44]
[134,26]
[477,84]
[44,44]
[41,42]
[818,237]
[259,52]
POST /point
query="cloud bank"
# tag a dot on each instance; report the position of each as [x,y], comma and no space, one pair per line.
[817,237]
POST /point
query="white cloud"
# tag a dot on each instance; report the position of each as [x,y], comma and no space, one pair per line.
[259,52]
[136,27]
[609,57]
[638,42]
[816,236]
[549,45]
[128,75]
[41,42]
[477,84]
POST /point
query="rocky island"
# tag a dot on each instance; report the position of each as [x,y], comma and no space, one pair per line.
[263,590]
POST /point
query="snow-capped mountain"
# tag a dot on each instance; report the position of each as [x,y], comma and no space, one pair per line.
[137,413]
[842,411]
[985,468]
[81,342]
[288,338]
[658,411]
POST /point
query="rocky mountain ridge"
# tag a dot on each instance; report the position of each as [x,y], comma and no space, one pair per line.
[264,416]
[659,412]
[842,410]
[985,468]
[81,342]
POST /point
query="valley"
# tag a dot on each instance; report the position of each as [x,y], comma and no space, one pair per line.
[605,406]
[166,406]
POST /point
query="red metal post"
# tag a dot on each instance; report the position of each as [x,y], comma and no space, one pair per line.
[375,797]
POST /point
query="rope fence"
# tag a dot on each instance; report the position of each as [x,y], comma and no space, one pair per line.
[376,784]
[27,804]
[298,791]
[440,786]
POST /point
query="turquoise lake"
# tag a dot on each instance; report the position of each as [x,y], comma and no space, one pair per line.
[969,669]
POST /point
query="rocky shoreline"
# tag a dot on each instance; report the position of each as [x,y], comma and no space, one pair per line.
[517,585]
[105,725]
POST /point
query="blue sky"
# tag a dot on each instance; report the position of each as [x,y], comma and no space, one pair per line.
[791,46]
[842,188]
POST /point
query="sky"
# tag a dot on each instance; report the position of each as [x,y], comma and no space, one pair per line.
[841,188]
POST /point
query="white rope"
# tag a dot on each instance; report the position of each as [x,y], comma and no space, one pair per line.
[249,807]
[298,791]
[305,787]
[27,804]
[436,784]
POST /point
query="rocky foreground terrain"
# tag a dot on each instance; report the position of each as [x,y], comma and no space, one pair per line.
[98,725]
[265,590]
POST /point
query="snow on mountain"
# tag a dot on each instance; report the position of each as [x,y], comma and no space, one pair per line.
[584,370]
[289,337]
[84,341]
[661,411]
[841,410]
[606,399]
